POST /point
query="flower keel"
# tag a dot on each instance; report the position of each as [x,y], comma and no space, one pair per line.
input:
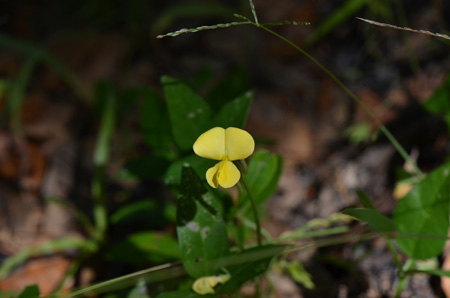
[224,173]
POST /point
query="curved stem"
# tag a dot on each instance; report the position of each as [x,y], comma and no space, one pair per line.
[255,210]
[381,127]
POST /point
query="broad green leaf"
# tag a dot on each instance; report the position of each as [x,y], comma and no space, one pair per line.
[233,86]
[263,173]
[375,219]
[439,102]
[365,200]
[234,113]
[422,216]
[185,294]
[30,292]
[189,114]
[155,124]
[145,247]
[199,164]
[249,264]
[202,235]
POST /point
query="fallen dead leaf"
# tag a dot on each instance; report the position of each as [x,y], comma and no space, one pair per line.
[45,272]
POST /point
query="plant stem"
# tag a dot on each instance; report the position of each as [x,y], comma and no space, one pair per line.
[381,127]
[255,210]
[252,8]
[394,254]
[404,279]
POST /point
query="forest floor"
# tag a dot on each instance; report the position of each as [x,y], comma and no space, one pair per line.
[298,112]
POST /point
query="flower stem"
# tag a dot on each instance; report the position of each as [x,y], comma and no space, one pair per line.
[255,210]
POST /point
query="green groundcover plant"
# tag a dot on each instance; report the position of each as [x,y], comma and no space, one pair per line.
[202,148]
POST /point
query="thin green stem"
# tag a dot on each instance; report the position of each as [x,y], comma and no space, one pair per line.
[394,254]
[255,210]
[404,279]
[381,127]
[101,158]
[244,167]
[252,8]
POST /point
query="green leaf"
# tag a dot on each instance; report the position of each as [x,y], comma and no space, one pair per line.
[30,292]
[365,200]
[189,114]
[199,164]
[299,274]
[373,218]
[439,102]
[155,124]
[422,218]
[145,247]
[436,272]
[202,235]
[263,173]
[233,86]
[235,112]
[249,264]
[139,211]
[108,102]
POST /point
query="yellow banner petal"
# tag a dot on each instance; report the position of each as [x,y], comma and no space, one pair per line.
[239,144]
[211,144]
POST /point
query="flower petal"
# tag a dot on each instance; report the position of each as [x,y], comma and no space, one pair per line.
[211,175]
[211,144]
[224,173]
[239,144]
[228,174]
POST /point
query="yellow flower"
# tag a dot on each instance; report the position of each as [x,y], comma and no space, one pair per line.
[205,285]
[225,145]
